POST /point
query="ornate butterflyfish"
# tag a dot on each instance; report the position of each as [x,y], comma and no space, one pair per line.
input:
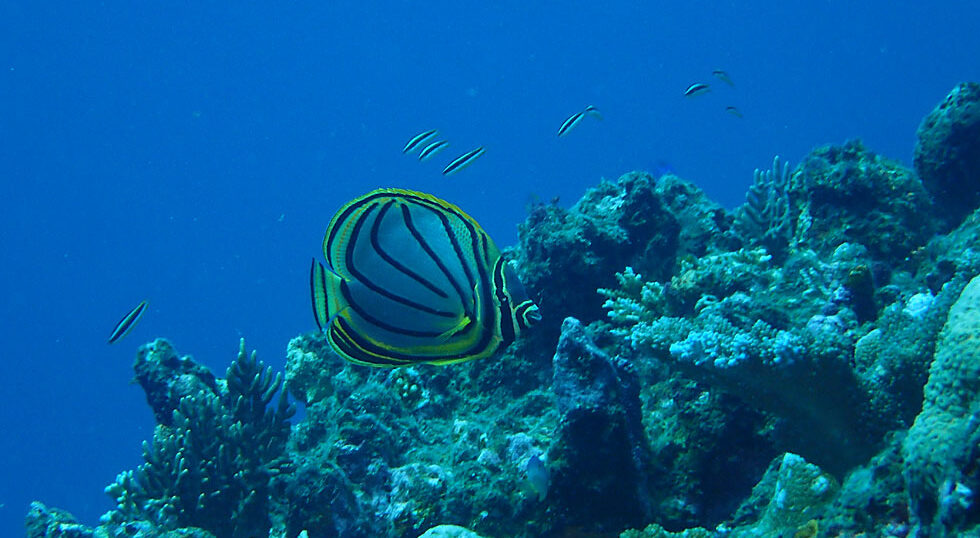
[410,278]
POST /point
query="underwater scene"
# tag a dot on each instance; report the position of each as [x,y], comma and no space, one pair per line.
[460,269]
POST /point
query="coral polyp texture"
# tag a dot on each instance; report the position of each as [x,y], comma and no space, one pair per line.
[803,365]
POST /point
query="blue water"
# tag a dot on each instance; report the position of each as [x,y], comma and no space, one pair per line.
[193,154]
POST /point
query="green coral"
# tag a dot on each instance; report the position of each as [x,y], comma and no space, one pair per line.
[216,465]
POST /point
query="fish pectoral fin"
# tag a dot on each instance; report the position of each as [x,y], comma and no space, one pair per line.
[461,324]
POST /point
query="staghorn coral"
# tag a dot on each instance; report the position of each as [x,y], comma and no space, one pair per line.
[215,465]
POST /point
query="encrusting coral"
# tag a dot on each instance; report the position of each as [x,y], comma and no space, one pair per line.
[943,445]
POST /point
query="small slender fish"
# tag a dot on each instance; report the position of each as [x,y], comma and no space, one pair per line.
[733,111]
[575,118]
[432,149]
[463,161]
[723,76]
[697,88]
[418,140]
[127,323]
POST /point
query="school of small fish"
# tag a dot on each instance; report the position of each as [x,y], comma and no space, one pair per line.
[701,88]
[428,144]
[426,141]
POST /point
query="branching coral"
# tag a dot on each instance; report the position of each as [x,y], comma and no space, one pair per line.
[766,218]
[725,320]
[215,465]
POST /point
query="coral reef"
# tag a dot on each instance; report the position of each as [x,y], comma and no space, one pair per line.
[638,221]
[943,445]
[778,338]
[804,366]
[413,448]
[847,194]
[947,152]
[215,463]
[791,495]
[50,523]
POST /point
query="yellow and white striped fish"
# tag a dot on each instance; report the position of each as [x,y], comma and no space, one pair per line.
[413,279]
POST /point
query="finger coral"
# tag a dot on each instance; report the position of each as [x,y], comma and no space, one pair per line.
[215,463]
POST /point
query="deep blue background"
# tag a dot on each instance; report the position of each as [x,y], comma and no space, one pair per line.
[193,154]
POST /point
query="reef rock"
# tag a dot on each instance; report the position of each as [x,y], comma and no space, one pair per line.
[947,153]
[943,445]
[166,377]
[640,221]
[789,499]
[599,455]
[849,194]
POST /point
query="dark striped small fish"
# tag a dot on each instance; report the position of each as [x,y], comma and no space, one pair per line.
[463,161]
[576,118]
[127,323]
[696,89]
[723,76]
[413,279]
[433,148]
[733,111]
[418,140]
